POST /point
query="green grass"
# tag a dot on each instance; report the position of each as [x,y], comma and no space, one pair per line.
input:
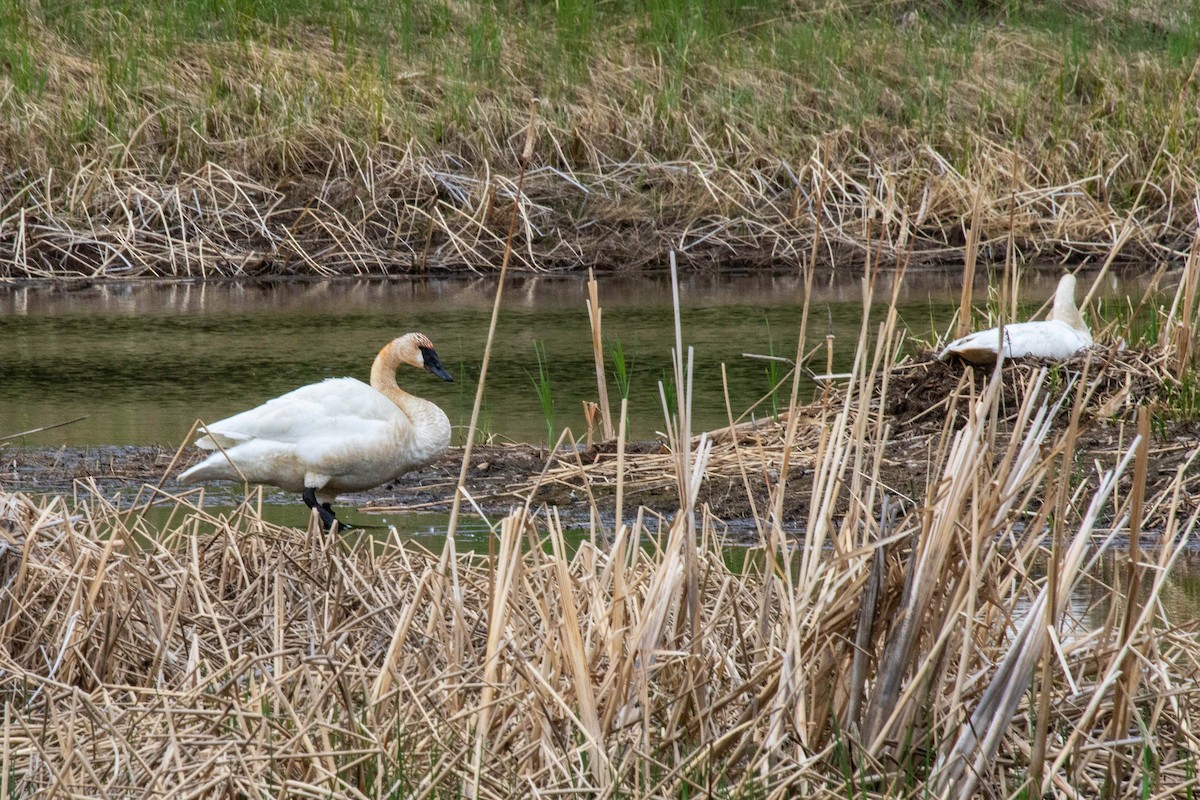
[543,388]
[484,430]
[1179,403]
[276,90]
[709,62]
[621,368]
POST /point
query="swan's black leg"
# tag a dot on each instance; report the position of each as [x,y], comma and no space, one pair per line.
[342,526]
[323,510]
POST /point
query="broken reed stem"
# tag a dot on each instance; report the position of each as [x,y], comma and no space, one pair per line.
[1011,270]
[526,156]
[43,428]
[970,253]
[866,619]
[810,268]
[620,492]
[1062,493]
[621,535]
[594,318]
[683,438]
[1181,336]
[1126,688]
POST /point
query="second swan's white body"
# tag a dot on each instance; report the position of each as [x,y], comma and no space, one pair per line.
[1060,337]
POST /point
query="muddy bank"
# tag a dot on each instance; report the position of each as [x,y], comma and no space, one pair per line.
[124,470]
[500,477]
[925,402]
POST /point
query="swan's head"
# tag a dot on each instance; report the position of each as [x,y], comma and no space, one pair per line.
[1065,309]
[417,350]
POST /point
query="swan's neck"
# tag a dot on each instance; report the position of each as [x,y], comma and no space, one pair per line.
[1065,309]
[429,428]
[383,380]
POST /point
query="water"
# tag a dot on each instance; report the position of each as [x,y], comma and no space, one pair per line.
[143,363]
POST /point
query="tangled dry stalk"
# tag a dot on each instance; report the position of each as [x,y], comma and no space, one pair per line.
[401,211]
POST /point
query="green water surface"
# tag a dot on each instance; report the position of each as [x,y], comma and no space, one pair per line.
[143,363]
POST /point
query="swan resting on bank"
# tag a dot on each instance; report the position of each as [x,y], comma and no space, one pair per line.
[1060,337]
[340,435]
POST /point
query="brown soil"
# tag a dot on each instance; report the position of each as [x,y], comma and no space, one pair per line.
[125,469]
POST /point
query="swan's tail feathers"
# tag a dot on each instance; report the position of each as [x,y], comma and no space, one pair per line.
[213,438]
[194,473]
[216,467]
[979,348]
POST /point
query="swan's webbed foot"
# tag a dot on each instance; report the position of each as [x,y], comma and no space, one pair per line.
[324,510]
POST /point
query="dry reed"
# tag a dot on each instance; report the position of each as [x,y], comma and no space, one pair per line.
[401,211]
[892,653]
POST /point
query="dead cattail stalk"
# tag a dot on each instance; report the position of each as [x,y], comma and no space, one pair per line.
[1062,490]
[970,254]
[1126,688]
[594,317]
[526,155]
[1179,334]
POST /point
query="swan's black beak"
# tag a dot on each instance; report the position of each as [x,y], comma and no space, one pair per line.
[434,364]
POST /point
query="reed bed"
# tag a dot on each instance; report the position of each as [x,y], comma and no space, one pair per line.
[395,212]
[405,210]
[922,400]
[1003,627]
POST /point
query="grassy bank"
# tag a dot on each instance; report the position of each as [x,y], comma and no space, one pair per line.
[281,137]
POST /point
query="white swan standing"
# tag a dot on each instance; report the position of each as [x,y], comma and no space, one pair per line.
[1061,336]
[340,435]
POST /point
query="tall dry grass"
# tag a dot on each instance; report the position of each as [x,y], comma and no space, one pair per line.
[952,643]
[406,209]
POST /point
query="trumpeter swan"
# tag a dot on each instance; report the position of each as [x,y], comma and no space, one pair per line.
[340,435]
[1061,336]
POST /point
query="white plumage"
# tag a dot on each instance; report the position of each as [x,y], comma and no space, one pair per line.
[340,435]
[1060,337]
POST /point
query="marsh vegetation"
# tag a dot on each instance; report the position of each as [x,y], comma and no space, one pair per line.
[997,623]
[267,137]
[956,582]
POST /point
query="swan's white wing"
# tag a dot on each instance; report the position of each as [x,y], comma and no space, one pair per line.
[341,405]
[340,431]
[1041,339]
[336,436]
[1044,339]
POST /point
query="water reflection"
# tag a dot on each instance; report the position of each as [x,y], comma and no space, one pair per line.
[143,362]
[522,292]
